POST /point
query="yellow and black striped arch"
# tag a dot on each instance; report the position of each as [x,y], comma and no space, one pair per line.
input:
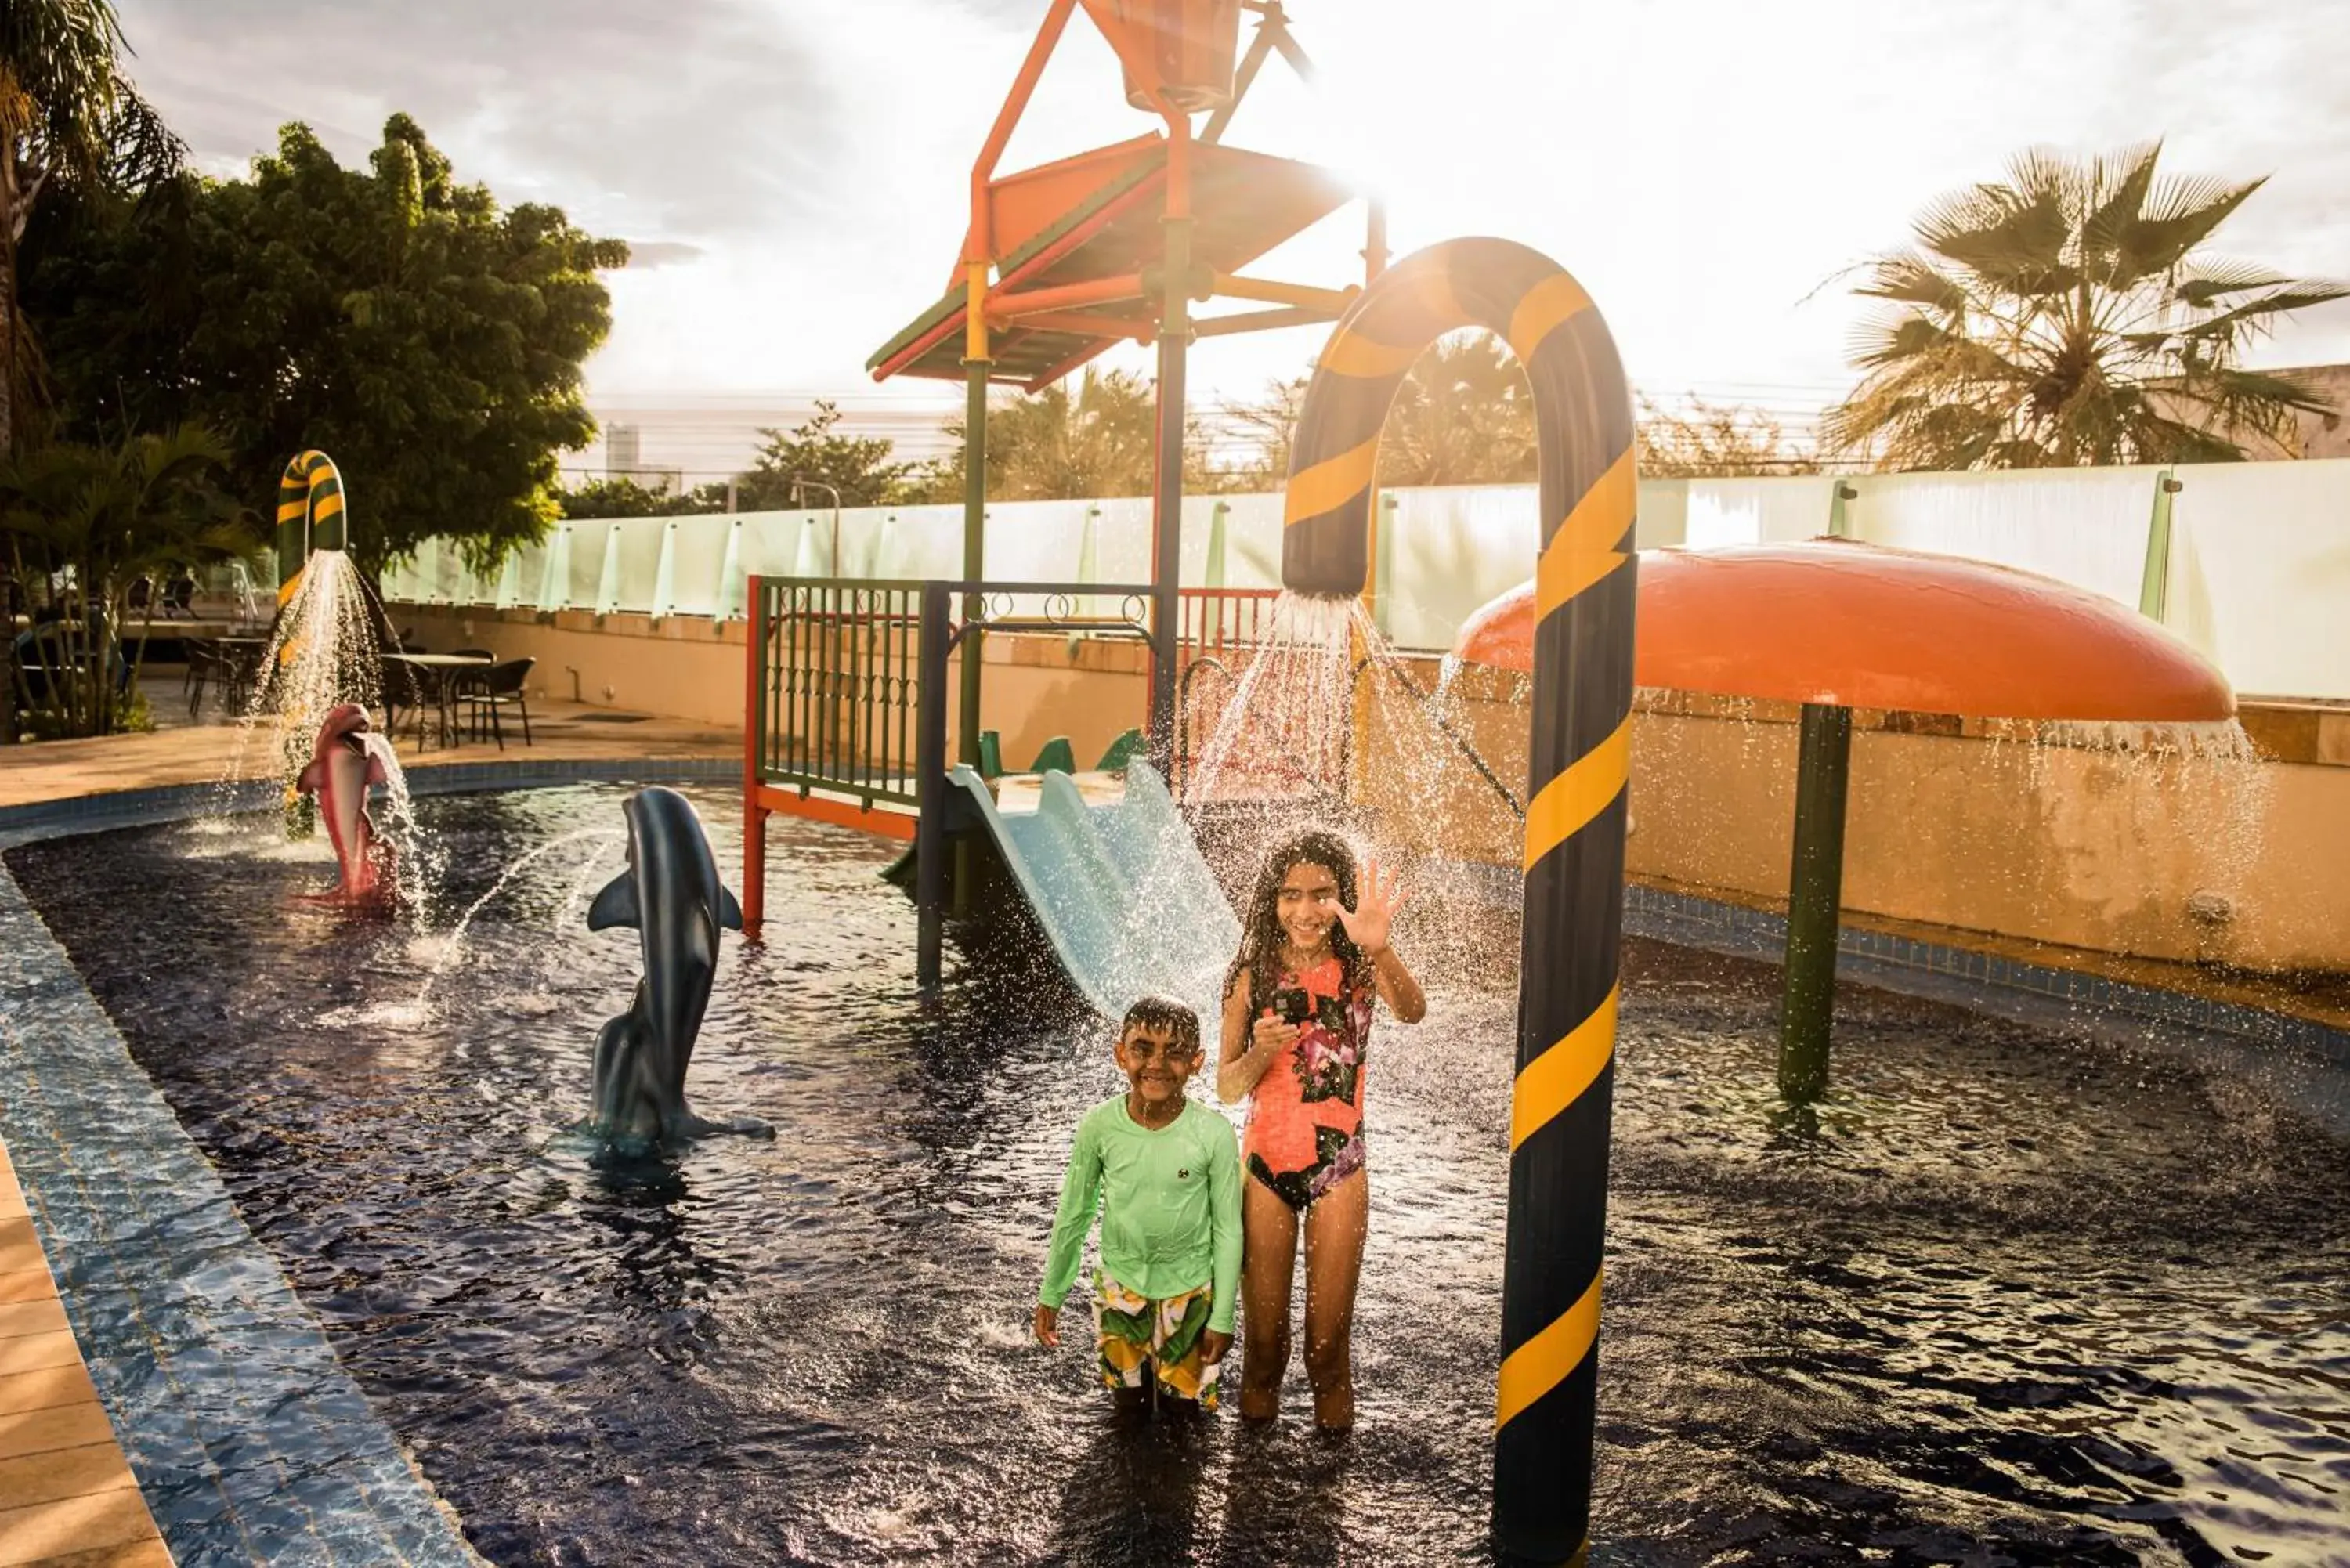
[309,515]
[1575,824]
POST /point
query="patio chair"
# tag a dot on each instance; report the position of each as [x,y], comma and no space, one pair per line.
[403,690]
[179,598]
[240,672]
[202,664]
[499,686]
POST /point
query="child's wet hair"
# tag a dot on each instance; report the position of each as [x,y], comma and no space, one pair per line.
[1261,934]
[1182,1025]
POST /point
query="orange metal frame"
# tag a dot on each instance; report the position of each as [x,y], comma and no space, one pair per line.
[1006,300]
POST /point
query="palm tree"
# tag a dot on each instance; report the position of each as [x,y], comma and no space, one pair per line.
[85,524]
[2066,317]
[65,114]
[1465,415]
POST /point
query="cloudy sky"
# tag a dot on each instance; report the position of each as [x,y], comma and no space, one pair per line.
[792,171]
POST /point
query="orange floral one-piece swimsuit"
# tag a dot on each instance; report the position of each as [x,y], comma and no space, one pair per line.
[1306,1115]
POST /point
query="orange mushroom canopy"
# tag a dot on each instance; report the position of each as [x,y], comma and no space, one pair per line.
[1865,625]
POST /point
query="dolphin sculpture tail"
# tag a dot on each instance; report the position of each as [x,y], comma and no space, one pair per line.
[670,895]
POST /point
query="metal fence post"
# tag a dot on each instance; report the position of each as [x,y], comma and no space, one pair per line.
[754,736]
[929,791]
[1839,523]
[2153,588]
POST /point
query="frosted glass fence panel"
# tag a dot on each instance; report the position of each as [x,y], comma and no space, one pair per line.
[1443,554]
[1752,511]
[922,541]
[631,581]
[2087,526]
[520,576]
[1251,552]
[2259,566]
[2260,574]
[692,578]
[1036,541]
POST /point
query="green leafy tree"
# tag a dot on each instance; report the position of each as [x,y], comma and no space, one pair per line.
[68,118]
[621,496]
[1714,440]
[1095,436]
[2066,317]
[82,524]
[861,468]
[1463,416]
[426,339]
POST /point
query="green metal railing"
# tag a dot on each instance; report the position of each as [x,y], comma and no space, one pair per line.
[838,685]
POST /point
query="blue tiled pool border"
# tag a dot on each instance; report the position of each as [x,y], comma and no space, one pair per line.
[1946,971]
[249,1441]
[1967,976]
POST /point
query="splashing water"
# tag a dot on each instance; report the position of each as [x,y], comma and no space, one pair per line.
[322,653]
[415,867]
[455,942]
[1326,722]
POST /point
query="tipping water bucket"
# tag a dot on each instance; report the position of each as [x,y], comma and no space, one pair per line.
[1192,43]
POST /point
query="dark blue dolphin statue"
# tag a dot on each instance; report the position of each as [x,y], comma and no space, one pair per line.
[671,895]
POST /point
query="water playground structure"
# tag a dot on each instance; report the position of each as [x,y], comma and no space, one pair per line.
[1061,262]
[1999,1290]
[1835,625]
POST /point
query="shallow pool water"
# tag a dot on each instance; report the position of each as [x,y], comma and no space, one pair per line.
[2019,1297]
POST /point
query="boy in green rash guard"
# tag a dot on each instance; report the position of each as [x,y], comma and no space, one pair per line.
[1166,1175]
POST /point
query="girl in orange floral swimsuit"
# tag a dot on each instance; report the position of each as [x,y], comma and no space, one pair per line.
[1297,1021]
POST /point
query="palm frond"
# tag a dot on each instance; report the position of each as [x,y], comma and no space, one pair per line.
[2118,192]
[2180,213]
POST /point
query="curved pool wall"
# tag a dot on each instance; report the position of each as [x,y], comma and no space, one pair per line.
[249,1441]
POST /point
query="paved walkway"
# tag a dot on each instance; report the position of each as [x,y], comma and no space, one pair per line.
[181,754]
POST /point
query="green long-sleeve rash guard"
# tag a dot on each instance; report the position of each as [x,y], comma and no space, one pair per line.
[1171,1205]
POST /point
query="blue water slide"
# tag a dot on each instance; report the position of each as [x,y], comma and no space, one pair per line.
[1118,887]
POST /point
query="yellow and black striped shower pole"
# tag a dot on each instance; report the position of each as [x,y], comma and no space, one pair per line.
[309,516]
[1575,826]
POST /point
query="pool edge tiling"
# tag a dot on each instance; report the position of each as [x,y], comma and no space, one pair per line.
[249,1439]
[66,1490]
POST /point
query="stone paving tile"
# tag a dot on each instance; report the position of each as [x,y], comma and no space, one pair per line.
[98,1518]
[562,733]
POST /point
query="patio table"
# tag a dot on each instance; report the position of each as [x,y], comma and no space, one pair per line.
[438,673]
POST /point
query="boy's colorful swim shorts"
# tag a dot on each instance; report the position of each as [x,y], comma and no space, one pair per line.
[1135,1329]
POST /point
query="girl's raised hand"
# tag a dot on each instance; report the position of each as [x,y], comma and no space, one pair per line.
[1376,900]
[1271,1033]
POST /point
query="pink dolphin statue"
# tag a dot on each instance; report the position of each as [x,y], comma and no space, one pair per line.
[340,772]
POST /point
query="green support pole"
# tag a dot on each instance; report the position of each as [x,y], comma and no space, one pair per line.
[2153,588]
[974,567]
[974,547]
[1815,895]
[1167,512]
